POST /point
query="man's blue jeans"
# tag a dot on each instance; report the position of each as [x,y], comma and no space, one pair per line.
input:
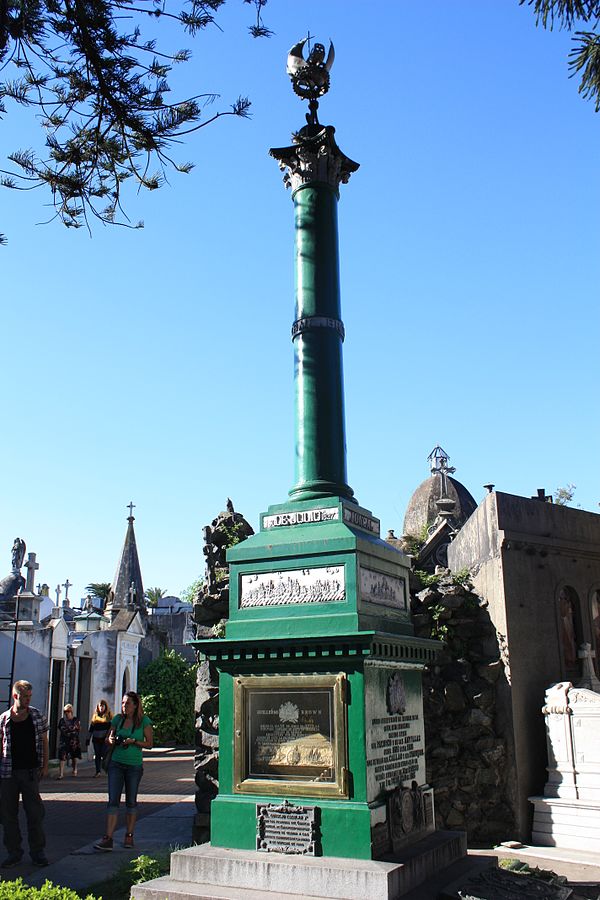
[120,776]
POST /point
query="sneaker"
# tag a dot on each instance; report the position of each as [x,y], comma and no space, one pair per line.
[39,859]
[106,843]
[128,841]
[12,860]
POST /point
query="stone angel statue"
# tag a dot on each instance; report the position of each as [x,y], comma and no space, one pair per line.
[18,554]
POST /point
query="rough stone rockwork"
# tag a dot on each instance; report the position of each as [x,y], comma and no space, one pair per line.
[211,609]
[468,761]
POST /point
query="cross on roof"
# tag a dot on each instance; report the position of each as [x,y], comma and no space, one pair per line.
[31,565]
[66,586]
[131,507]
[589,679]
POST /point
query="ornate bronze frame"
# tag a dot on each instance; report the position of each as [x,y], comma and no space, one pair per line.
[242,784]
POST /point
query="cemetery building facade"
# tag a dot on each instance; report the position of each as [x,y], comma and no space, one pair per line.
[536,565]
[81,656]
[512,586]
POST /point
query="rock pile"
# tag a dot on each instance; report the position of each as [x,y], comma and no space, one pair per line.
[468,761]
[211,609]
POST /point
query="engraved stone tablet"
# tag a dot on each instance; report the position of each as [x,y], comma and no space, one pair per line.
[395,729]
[322,584]
[285,828]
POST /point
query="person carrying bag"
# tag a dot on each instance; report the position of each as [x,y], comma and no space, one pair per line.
[130,733]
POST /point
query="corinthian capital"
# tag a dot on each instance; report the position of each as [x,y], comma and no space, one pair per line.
[314,158]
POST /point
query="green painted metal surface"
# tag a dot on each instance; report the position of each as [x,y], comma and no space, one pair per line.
[345,827]
[320,467]
[345,823]
[315,546]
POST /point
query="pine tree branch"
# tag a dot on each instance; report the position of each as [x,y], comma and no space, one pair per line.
[102,103]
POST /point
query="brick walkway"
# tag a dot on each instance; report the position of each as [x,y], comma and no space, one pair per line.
[76,807]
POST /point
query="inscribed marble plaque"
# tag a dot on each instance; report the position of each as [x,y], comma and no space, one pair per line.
[323,584]
[395,735]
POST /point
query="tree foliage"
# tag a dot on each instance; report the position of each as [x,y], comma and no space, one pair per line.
[167,686]
[190,593]
[98,590]
[98,82]
[153,595]
[584,57]
[564,495]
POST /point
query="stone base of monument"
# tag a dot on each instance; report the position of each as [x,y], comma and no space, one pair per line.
[573,824]
[568,813]
[211,872]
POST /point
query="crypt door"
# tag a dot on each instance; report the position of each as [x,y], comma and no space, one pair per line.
[57,685]
[84,684]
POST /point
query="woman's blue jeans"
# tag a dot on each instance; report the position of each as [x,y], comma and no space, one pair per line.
[120,776]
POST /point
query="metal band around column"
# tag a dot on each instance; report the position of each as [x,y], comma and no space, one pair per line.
[308,323]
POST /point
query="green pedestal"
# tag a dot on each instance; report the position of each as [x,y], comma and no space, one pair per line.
[320,684]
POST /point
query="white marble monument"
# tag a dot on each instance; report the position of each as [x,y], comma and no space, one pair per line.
[568,814]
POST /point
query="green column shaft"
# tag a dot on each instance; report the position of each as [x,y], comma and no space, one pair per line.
[320,469]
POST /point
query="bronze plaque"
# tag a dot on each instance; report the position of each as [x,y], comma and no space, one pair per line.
[290,735]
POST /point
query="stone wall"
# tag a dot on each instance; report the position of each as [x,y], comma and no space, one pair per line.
[154,642]
[468,749]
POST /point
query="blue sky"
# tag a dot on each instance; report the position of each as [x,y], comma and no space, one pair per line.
[156,365]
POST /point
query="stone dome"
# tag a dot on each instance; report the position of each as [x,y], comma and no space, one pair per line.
[422,507]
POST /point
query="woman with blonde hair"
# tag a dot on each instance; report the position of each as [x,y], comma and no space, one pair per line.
[98,732]
[130,733]
[69,747]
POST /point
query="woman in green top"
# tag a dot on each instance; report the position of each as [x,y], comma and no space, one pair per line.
[130,733]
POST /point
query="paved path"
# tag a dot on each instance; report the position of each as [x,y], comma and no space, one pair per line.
[75,818]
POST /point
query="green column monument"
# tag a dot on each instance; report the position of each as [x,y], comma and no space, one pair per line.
[321,730]
[318,331]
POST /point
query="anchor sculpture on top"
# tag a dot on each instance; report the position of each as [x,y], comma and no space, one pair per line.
[310,77]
